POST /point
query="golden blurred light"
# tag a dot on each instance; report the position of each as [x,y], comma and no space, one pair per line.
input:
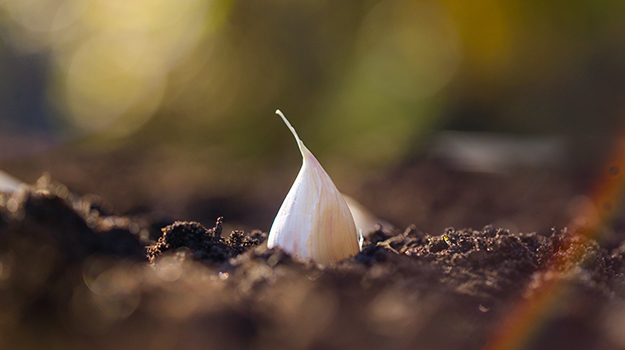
[486,30]
[111,75]
[169,269]
[140,14]
[46,15]
[111,57]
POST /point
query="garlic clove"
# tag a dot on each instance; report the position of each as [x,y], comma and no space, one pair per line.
[365,220]
[314,222]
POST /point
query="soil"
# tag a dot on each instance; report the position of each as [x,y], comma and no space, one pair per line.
[75,276]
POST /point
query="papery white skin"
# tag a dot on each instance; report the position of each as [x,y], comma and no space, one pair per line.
[314,222]
[364,219]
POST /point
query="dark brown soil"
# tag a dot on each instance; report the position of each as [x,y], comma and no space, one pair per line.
[74,276]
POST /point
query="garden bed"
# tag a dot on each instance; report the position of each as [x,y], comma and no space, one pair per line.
[75,276]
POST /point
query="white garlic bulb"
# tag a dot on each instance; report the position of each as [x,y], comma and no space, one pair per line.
[314,222]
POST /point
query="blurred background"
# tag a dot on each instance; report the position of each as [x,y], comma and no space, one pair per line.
[430,112]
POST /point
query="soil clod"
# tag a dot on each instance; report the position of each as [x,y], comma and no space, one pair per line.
[76,275]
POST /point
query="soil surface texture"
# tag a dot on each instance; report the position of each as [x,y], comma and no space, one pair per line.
[73,275]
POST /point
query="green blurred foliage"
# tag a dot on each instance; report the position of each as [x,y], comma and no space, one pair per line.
[180,95]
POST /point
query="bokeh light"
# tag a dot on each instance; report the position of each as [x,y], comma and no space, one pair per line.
[109,60]
[406,53]
[168,105]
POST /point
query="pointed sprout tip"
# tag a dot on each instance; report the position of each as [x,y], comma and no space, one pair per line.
[300,144]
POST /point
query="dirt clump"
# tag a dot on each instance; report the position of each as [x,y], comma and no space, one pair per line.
[204,244]
[74,275]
